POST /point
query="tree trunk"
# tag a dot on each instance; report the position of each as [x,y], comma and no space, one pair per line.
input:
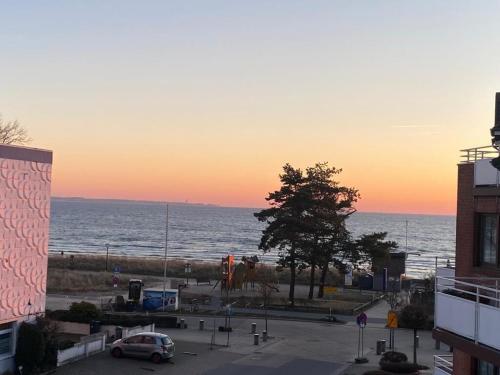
[324,271]
[415,346]
[311,281]
[291,294]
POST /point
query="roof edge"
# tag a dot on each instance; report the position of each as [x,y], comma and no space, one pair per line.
[25,153]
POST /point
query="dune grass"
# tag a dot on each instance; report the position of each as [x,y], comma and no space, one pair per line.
[175,267]
[74,281]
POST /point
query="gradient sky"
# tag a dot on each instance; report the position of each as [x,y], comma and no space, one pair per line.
[204,101]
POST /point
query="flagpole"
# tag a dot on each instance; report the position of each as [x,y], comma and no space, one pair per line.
[165,261]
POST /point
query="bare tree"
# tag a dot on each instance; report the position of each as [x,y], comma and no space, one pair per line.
[11,132]
[266,288]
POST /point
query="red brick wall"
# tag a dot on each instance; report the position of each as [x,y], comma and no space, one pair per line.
[467,207]
[462,363]
[465,220]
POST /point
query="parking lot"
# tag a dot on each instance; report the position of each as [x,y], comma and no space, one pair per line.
[294,348]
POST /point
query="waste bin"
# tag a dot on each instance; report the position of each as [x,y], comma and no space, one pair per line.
[380,346]
[95,326]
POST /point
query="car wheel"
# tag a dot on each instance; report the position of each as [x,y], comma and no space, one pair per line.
[156,358]
[117,352]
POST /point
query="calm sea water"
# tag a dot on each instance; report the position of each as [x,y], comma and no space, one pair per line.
[210,232]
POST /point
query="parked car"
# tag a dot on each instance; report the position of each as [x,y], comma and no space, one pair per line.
[149,345]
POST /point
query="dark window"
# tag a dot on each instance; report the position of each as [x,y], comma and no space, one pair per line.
[485,368]
[488,239]
[166,340]
[134,340]
[149,340]
[5,342]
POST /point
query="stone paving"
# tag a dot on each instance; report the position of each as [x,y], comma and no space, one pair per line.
[294,348]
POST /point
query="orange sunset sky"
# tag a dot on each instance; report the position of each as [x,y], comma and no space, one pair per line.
[205,101]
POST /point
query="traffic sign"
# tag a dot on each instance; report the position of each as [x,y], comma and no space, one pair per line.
[361,320]
[329,289]
[392,319]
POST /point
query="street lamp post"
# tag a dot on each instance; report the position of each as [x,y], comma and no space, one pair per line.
[187,271]
[107,256]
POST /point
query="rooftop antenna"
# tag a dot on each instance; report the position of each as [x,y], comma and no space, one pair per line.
[495,131]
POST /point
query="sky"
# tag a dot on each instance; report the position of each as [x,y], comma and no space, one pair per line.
[205,101]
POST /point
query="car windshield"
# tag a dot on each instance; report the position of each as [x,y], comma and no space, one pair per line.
[166,340]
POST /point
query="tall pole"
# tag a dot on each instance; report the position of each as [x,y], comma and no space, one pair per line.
[165,262]
[107,255]
[406,240]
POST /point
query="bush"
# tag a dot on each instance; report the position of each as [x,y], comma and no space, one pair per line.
[395,357]
[82,312]
[65,344]
[140,320]
[31,346]
[399,367]
[412,316]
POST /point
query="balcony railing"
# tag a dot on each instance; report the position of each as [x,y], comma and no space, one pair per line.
[469,307]
[470,155]
[443,364]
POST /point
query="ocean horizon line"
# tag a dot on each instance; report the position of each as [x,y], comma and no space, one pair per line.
[200,204]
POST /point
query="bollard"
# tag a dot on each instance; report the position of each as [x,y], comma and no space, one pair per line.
[202,324]
[256,339]
[264,336]
[380,346]
[254,328]
[183,324]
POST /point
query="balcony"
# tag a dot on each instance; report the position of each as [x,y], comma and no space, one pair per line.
[471,155]
[443,365]
[469,307]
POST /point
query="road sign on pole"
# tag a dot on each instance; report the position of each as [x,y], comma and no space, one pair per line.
[392,319]
[361,321]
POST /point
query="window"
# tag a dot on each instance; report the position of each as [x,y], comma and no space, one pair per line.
[485,368]
[488,239]
[149,340]
[166,340]
[134,340]
[6,340]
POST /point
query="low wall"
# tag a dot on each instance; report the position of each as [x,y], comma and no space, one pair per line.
[74,328]
[90,345]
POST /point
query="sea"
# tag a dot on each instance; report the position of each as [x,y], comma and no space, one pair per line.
[207,232]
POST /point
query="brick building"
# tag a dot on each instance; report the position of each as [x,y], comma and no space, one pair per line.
[25,175]
[467,310]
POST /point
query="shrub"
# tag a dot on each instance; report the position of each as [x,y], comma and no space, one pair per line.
[30,350]
[399,367]
[82,312]
[140,320]
[65,344]
[394,357]
[412,316]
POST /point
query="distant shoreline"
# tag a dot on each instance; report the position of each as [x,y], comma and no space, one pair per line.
[195,204]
